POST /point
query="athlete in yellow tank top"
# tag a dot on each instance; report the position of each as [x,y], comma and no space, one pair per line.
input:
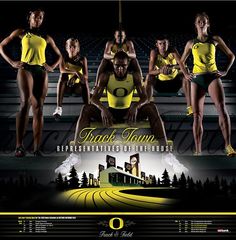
[167,74]
[206,78]
[120,93]
[120,43]
[32,77]
[33,49]
[204,59]
[73,77]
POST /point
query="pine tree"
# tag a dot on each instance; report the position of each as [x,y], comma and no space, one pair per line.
[216,185]
[165,179]
[74,181]
[224,186]
[175,181]
[59,182]
[158,182]
[84,180]
[65,183]
[182,181]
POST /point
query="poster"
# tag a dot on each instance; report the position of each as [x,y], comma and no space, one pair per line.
[124,187]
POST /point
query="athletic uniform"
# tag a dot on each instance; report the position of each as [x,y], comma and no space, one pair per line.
[119,95]
[75,64]
[33,53]
[204,61]
[167,82]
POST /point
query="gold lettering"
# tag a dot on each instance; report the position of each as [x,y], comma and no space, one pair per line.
[86,135]
[129,135]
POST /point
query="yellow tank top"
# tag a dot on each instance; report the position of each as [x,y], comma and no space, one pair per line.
[162,61]
[74,67]
[33,49]
[115,47]
[204,56]
[120,93]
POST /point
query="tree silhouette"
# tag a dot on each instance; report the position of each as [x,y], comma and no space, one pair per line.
[65,183]
[216,185]
[59,182]
[224,186]
[158,182]
[84,180]
[206,186]
[175,181]
[74,180]
[165,179]
[182,181]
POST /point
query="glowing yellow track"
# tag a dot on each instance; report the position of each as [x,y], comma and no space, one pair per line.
[112,199]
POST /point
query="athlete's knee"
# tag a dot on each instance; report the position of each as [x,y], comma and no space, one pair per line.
[37,105]
[86,111]
[197,116]
[25,104]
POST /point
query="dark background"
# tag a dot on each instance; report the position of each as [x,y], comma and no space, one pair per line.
[101,17]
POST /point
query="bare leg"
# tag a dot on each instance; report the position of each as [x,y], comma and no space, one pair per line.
[37,99]
[61,86]
[88,112]
[197,100]
[186,85]
[25,84]
[83,90]
[216,93]
[150,110]
[149,81]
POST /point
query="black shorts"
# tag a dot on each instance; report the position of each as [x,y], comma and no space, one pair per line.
[37,71]
[204,80]
[168,86]
[119,115]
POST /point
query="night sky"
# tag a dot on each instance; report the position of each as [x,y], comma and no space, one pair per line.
[102,17]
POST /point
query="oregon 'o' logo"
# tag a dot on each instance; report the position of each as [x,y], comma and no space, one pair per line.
[116,223]
[120,92]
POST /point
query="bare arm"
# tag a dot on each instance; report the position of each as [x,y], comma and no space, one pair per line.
[224,48]
[133,111]
[107,52]
[181,65]
[15,34]
[151,67]
[187,51]
[51,42]
[98,91]
[131,52]
[95,100]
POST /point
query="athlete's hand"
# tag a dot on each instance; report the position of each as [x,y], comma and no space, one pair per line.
[188,76]
[131,116]
[17,64]
[80,76]
[221,73]
[165,70]
[106,117]
[71,81]
[48,68]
